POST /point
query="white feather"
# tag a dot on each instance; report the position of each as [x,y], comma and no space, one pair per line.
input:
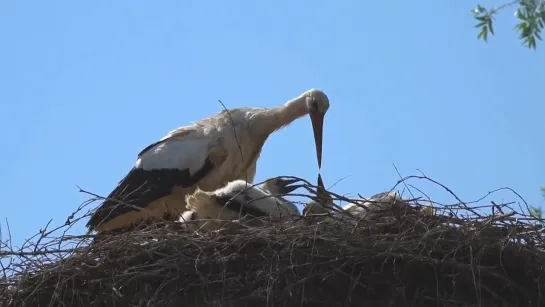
[186,153]
[205,209]
[270,186]
[187,216]
[260,199]
[188,147]
[231,143]
[375,207]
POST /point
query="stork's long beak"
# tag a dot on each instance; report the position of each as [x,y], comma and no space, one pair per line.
[321,188]
[287,186]
[323,195]
[320,182]
[317,120]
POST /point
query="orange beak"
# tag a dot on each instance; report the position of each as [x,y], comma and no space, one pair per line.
[317,120]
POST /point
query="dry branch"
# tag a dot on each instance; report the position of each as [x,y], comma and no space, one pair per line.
[456,258]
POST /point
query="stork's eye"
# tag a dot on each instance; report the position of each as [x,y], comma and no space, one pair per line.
[314,104]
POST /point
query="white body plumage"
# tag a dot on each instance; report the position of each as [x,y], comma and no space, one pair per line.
[238,198]
[205,155]
[375,207]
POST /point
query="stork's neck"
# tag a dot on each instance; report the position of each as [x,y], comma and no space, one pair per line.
[271,120]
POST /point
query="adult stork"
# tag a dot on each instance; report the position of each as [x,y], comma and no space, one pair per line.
[210,210]
[206,154]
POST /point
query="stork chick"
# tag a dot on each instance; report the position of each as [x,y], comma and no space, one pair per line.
[385,204]
[277,187]
[238,198]
[322,204]
[377,206]
[206,154]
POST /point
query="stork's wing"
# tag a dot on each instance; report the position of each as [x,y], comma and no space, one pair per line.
[177,161]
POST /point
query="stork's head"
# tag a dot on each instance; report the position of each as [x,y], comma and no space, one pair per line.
[279,186]
[317,105]
[322,203]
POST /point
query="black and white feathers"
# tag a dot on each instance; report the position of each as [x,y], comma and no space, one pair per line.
[205,155]
[233,201]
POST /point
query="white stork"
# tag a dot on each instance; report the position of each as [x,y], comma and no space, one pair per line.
[206,154]
[210,210]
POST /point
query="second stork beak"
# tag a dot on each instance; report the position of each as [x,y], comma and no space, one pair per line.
[323,196]
[317,120]
[320,188]
[320,182]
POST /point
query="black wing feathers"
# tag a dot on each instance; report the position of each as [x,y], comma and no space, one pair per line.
[141,187]
[150,146]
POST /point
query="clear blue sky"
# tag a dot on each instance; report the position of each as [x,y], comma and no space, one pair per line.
[85,85]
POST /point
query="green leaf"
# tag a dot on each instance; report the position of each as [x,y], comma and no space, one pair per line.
[531,13]
[478,10]
[490,26]
[484,34]
[531,42]
[520,15]
[526,31]
[536,212]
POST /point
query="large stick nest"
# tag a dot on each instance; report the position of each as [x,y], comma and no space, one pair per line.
[456,258]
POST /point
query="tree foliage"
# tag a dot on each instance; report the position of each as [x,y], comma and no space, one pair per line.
[537,211]
[531,16]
